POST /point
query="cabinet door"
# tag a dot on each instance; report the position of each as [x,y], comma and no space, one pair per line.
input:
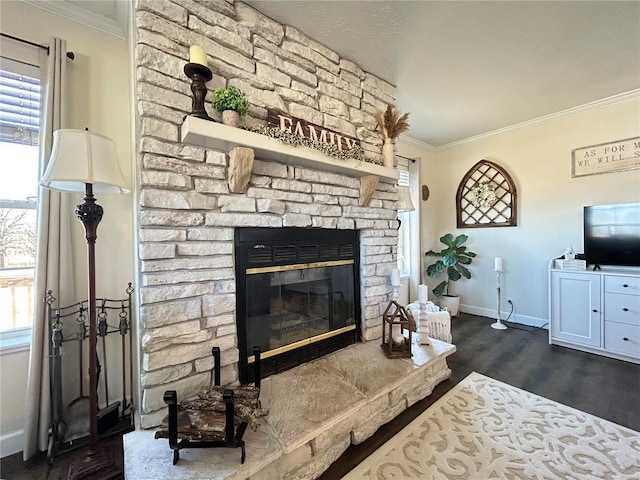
[575,308]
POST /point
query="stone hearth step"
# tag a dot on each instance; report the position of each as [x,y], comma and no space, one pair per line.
[316,411]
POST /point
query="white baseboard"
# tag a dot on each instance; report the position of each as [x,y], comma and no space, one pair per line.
[11,443]
[491,313]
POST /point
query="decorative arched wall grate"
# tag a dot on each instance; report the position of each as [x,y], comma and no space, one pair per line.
[486,197]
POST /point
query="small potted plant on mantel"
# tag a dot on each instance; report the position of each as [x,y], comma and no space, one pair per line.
[453,260]
[231,103]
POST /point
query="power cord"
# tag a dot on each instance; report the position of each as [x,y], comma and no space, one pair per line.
[513,325]
[511,312]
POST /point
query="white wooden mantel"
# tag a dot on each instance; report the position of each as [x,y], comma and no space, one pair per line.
[216,136]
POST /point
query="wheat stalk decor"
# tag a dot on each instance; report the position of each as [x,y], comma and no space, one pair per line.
[391,123]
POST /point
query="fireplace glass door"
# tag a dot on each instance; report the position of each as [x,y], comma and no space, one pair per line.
[298,295]
[290,306]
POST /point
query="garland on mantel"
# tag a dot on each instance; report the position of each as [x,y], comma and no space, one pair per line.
[356,152]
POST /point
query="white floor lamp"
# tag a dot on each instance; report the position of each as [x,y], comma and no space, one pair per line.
[86,162]
[497,269]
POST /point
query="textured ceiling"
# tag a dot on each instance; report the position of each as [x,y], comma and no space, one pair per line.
[467,68]
[461,68]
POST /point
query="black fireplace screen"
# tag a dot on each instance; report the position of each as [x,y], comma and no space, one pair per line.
[292,305]
[297,295]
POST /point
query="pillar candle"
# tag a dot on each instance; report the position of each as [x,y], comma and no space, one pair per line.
[395,277]
[197,55]
[497,264]
[423,294]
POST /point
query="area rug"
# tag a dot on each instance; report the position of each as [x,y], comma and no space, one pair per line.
[485,429]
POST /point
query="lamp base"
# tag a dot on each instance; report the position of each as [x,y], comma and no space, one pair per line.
[499,325]
[95,466]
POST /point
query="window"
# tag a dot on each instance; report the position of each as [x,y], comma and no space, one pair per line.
[19,128]
[404,232]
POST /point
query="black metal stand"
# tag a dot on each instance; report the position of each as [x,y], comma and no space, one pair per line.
[199,74]
[232,435]
[70,425]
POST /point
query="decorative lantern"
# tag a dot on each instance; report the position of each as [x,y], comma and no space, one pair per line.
[395,320]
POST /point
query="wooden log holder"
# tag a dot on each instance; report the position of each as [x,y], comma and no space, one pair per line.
[216,418]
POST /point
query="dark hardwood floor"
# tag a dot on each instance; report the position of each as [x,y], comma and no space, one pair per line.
[519,356]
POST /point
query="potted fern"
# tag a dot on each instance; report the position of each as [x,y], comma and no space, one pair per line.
[232,103]
[391,125]
[453,261]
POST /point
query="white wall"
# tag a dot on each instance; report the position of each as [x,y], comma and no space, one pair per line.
[99,98]
[550,201]
[13,392]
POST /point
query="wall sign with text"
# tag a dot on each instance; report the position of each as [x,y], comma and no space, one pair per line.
[309,130]
[617,156]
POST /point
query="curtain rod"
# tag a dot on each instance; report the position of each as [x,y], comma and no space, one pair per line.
[413,160]
[70,55]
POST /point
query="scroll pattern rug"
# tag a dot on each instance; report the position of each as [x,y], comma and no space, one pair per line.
[484,429]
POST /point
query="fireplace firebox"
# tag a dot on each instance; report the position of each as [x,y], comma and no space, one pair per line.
[298,295]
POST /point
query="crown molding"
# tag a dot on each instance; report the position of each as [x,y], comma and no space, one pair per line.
[612,100]
[116,27]
[418,143]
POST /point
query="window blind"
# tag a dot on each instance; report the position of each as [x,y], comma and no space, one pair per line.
[19,108]
[403,168]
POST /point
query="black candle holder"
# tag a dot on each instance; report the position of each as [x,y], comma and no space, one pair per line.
[199,75]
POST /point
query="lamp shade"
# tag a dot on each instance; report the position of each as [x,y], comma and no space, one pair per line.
[79,157]
[404,202]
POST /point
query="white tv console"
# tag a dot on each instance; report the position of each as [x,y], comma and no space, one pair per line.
[596,311]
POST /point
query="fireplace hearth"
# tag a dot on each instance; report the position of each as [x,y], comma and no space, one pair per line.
[297,295]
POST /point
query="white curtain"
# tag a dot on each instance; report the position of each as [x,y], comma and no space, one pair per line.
[54,260]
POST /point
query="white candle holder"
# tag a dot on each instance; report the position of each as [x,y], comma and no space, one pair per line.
[498,325]
[422,326]
[395,294]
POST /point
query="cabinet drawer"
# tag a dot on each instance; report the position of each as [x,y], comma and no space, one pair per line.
[618,284]
[622,308]
[622,338]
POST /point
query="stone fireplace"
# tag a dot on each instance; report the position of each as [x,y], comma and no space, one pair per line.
[188,217]
[297,295]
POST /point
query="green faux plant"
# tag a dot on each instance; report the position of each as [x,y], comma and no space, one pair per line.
[453,260]
[230,98]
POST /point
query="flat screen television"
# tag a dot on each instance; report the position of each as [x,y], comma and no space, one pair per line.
[612,234]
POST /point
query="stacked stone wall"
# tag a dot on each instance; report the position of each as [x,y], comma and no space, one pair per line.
[187,214]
